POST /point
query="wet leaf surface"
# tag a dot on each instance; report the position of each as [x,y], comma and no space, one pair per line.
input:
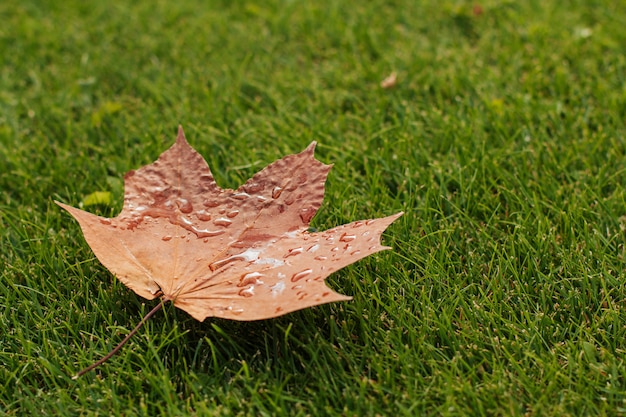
[244,254]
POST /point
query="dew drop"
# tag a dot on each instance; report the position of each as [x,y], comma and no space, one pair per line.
[357,224]
[278,309]
[321,258]
[292,252]
[249,255]
[254,187]
[232,214]
[204,233]
[298,276]
[203,215]
[313,248]
[241,196]
[250,278]
[369,222]
[335,249]
[354,253]
[347,238]
[184,205]
[276,192]
[211,203]
[166,238]
[301,295]
[218,264]
[247,292]
[105,221]
[222,221]
[185,221]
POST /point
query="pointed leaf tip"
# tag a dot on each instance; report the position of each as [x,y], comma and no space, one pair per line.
[181,134]
[311,148]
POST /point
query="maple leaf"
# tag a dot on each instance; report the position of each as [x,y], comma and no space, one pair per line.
[242,254]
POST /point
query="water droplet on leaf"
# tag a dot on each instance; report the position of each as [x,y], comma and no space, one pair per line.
[347,238]
[300,275]
[293,252]
[222,222]
[247,292]
[184,205]
[250,278]
[276,192]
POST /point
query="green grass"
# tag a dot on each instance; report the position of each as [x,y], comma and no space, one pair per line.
[503,142]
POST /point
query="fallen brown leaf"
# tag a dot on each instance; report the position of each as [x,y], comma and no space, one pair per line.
[242,254]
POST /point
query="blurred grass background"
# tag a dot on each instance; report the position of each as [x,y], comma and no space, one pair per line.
[502,140]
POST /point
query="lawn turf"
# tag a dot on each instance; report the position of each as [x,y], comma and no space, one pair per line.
[503,141]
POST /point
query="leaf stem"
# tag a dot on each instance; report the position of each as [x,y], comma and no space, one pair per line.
[121,344]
